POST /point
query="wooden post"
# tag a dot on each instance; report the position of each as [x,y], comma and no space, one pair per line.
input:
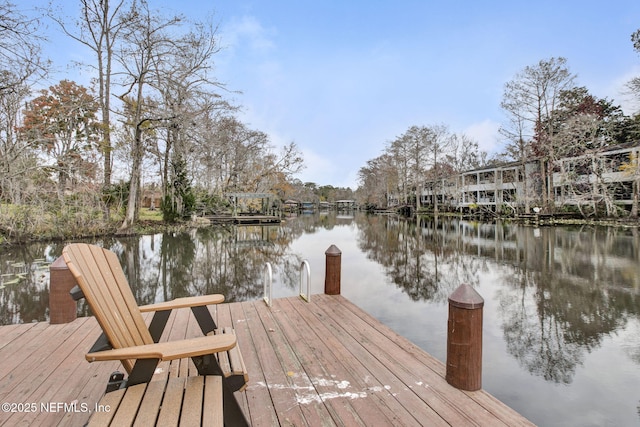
[332,273]
[464,339]
[62,308]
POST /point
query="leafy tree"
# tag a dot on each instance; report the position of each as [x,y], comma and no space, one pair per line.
[612,123]
[62,123]
[99,28]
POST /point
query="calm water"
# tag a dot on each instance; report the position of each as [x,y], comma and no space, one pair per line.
[561,313]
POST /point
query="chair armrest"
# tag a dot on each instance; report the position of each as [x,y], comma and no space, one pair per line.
[184,302]
[168,350]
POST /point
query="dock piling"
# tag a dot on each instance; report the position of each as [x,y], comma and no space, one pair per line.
[464,339]
[332,273]
[62,308]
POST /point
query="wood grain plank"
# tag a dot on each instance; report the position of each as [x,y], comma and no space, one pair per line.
[191,413]
[172,402]
[60,382]
[338,365]
[129,405]
[212,409]
[451,404]
[150,406]
[27,343]
[233,314]
[287,350]
[111,400]
[294,376]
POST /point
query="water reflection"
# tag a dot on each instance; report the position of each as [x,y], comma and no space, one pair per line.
[226,260]
[562,305]
[562,289]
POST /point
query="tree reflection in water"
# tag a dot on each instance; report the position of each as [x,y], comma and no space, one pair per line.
[563,289]
[556,299]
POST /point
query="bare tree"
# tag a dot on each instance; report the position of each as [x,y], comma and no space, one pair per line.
[583,177]
[418,139]
[532,98]
[21,64]
[378,180]
[464,153]
[20,51]
[518,147]
[99,28]
[146,41]
[17,158]
[187,94]
[400,151]
[439,146]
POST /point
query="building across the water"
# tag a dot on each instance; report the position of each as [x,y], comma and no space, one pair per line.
[606,176]
[345,204]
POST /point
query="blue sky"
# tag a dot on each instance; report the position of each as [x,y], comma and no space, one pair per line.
[343,78]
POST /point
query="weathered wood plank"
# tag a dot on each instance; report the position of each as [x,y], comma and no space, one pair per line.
[9,333]
[25,344]
[297,355]
[283,399]
[487,401]
[61,379]
[233,315]
[452,404]
[288,348]
[331,379]
[24,379]
[371,380]
[380,349]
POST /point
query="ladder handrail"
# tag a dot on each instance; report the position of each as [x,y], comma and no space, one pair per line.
[267,281]
[304,267]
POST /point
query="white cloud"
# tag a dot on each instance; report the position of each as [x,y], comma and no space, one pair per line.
[318,169]
[619,93]
[247,30]
[486,134]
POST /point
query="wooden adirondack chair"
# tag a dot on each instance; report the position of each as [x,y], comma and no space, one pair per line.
[127,338]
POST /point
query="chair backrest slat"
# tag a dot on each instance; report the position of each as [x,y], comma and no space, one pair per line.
[100,276]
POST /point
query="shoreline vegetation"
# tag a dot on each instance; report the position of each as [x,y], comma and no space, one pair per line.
[20,226]
[24,224]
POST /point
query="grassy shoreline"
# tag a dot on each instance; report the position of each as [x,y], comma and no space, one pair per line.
[18,227]
[151,222]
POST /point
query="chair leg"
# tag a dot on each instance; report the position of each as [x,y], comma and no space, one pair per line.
[207,365]
[203,316]
[158,323]
[116,382]
[233,415]
[142,371]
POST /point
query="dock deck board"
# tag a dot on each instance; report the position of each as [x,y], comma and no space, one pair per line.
[321,363]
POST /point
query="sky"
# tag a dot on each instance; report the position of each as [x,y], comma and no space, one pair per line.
[342,79]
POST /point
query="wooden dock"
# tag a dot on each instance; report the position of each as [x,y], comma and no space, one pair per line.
[321,363]
[243,219]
